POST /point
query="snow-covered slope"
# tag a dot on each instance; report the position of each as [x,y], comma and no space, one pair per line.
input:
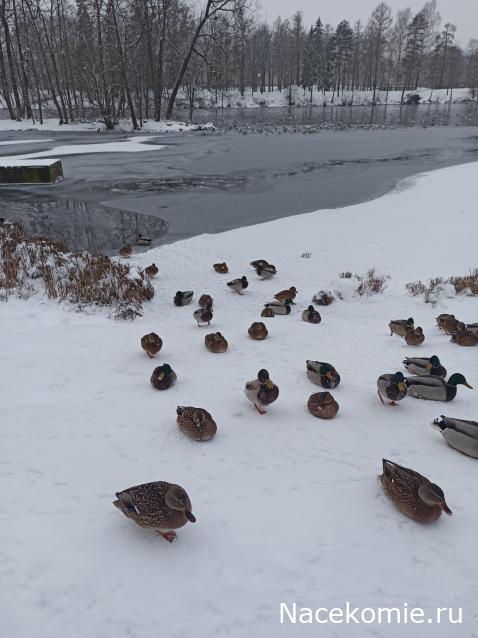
[288,507]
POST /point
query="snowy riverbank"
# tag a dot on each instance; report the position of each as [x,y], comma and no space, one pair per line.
[288,507]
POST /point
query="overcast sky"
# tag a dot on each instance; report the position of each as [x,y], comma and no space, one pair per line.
[463,13]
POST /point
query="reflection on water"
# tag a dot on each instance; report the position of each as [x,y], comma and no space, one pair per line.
[81,225]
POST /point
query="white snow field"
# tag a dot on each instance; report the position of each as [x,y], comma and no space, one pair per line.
[52,124]
[288,507]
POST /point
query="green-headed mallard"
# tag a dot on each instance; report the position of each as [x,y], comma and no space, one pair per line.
[464,337]
[460,434]
[126,251]
[435,389]
[215,342]
[413,494]
[278,307]
[258,331]
[322,405]
[221,268]
[151,344]
[283,295]
[160,506]
[163,377]
[203,316]
[196,423]
[425,367]
[392,387]
[238,285]
[414,336]
[261,391]
[151,271]
[399,326]
[311,315]
[183,297]
[323,374]
[266,272]
[206,301]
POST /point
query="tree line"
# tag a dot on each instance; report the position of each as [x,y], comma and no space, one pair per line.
[136,58]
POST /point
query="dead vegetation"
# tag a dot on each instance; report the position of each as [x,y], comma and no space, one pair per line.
[370,283]
[433,288]
[28,264]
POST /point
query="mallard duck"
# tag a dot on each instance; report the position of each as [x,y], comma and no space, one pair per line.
[259,263]
[141,240]
[151,344]
[266,272]
[398,326]
[459,434]
[392,386]
[151,271]
[238,285]
[279,308]
[215,342]
[435,389]
[464,338]
[161,506]
[449,324]
[283,295]
[261,391]
[472,327]
[268,312]
[163,377]
[322,405]
[414,336]
[126,251]
[322,373]
[183,297]
[196,423]
[205,301]
[311,315]
[425,367]
[443,318]
[258,331]
[221,268]
[413,494]
[203,316]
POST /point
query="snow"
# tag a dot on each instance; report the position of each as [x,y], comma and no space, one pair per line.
[14,161]
[288,507]
[35,141]
[52,124]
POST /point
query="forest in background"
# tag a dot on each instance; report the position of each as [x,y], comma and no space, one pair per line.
[136,58]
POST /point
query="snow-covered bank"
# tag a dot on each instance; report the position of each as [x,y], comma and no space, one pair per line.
[150,126]
[288,507]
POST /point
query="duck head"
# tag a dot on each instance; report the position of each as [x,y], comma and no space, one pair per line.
[459,379]
[177,499]
[432,494]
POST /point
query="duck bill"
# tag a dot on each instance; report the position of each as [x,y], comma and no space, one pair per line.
[469,386]
[190,516]
[402,387]
[445,508]
[269,384]
[330,376]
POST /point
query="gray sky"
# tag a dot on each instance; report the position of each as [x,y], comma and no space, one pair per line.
[463,13]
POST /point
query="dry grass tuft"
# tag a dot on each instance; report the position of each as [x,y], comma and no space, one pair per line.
[79,278]
[371,283]
[431,290]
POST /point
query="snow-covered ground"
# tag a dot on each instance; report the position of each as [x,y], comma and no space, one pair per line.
[288,507]
[52,124]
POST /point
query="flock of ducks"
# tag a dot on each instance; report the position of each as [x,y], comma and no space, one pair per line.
[165,507]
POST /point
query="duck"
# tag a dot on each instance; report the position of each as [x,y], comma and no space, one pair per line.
[151,271]
[472,327]
[261,391]
[392,386]
[448,323]
[143,241]
[460,434]
[464,337]
[435,389]
[323,374]
[266,272]
[398,326]
[258,331]
[268,312]
[215,342]
[163,377]
[322,405]
[203,316]
[151,344]
[425,367]
[283,295]
[183,297]
[443,318]
[221,268]
[205,301]
[413,494]
[414,336]
[278,307]
[126,251]
[196,423]
[259,263]
[160,506]
[238,285]
[311,315]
